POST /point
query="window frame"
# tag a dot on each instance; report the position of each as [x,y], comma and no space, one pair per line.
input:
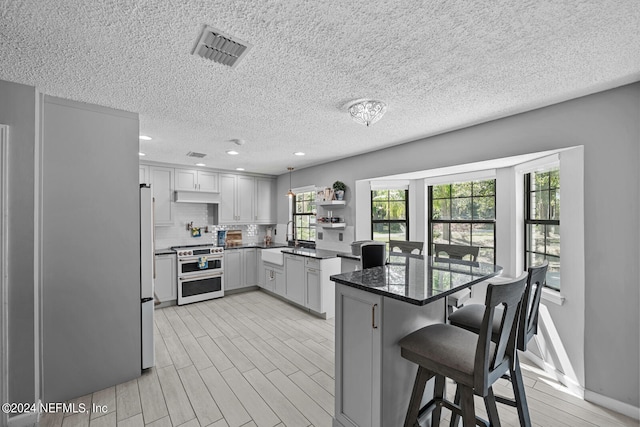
[528,221]
[471,221]
[295,214]
[391,221]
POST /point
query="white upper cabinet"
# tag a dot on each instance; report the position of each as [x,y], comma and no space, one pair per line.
[265,203]
[193,180]
[246,199]
[162,188]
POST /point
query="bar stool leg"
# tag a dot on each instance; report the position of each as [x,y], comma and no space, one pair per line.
[438,394]
[467,406]
[422,376]
[455,418]
[519,395]
[492,409]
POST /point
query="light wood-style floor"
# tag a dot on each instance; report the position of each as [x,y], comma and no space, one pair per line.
[252,360]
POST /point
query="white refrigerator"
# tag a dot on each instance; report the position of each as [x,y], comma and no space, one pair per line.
[147,274]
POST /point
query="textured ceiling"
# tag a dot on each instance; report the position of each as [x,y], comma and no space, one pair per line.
[439,65]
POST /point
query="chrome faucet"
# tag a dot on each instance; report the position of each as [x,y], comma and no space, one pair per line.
[293,233]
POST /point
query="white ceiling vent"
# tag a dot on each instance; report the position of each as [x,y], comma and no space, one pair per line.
[220,47]
[194,154]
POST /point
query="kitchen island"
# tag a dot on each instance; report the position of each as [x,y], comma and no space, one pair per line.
[377,307]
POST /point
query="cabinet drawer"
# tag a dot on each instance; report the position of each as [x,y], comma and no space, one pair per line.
[313,263]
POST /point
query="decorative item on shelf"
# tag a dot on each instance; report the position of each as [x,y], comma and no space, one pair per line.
[328,194]
[367,111]
[339,189]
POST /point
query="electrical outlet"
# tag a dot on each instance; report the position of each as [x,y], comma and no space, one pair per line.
[340,236]
[320,236]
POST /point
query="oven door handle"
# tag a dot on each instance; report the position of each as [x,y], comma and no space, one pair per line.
[204,276]
[195,258]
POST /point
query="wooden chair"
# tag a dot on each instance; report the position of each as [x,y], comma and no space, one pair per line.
[472,360]
[373,254]
[470,253]
[406,247]
[469,317]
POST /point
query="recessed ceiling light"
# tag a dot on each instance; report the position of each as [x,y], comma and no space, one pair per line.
[232,152]
[145,138]
[299,153]
[239,169]
[141,154]
[200,164]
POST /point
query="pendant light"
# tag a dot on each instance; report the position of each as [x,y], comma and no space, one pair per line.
[290,193]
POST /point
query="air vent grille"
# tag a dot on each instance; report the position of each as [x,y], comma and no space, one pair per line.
[219,47]
[194,154]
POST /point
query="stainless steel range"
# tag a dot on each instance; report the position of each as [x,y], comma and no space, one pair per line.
[200,273]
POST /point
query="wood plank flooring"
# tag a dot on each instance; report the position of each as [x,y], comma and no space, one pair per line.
[252,360]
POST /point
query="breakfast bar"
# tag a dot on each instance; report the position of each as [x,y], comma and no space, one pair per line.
[377,307]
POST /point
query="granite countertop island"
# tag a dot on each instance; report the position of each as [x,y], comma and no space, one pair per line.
[418,280]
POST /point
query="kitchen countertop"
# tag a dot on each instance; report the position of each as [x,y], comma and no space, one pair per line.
[418,280]
[164,251]
[311,253]
[349,256]
[254,245]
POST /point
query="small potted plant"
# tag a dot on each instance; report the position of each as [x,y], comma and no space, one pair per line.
[338,189]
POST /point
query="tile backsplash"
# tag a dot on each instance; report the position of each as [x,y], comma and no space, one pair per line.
[201,215]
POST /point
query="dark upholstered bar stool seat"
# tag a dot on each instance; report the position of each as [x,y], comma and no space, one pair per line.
[373,254]
[470,253]
[470,318]
[473,361]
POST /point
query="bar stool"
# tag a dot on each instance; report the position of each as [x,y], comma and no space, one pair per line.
[373,254]
[457,299]
[470,317]
[406,246]
[472,360]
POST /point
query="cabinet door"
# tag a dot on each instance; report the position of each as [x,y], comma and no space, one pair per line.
[227,207]
[295,275]
[260,268]
[162,187]
[245,199]
[233,269]
[144,174]
[208,181]
[358,371]
[280,282]
[186,180]
[269,279]
[250,267]
[265,205]
[314,291]
[166,288]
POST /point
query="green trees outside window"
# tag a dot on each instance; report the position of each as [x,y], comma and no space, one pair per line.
[304,216]
[464,213]
[542,222]
[389,215]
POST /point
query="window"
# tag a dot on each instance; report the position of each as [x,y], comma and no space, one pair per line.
[389,215]
[304,216]
[542,222]
[464,214]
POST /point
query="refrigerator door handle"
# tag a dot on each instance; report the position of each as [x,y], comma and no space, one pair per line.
[143,300]
[153,224]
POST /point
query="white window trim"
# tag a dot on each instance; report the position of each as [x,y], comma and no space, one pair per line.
[552,296]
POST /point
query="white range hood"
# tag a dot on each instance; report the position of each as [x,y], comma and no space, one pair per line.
[197,197]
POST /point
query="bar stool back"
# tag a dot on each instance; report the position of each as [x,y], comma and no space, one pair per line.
[473,361]
[457,299]
[373,254]
[470,318]
[406,246]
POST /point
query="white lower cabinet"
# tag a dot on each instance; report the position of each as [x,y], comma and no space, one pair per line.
[295,282]
[358,370]
[314,289]
[274,278]
[240,268]
[166,286]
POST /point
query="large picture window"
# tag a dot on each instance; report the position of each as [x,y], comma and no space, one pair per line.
[389,215]
[304,216]
[542,222]
[464,214]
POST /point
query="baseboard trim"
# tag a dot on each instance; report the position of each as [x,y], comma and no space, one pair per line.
[588,395]
[613,404]
[24,420]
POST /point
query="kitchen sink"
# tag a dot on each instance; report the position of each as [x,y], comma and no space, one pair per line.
[273,256]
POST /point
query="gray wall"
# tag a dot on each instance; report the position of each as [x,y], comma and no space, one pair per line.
[607,125]
[18,110]
[90,249]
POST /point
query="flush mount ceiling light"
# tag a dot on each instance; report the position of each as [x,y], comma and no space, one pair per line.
[239,169]
[298,153]
[200,164]
[367,111]
[290,193]
[232,152]
[145,138]
[141,154]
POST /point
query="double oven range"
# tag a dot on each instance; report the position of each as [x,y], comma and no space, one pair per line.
[200,273]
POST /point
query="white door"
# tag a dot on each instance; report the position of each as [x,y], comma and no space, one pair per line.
[186,180]
[314,291]
[227,208]
[208,181]
[265,205]
[162,187]
[233,269]
[245,199]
